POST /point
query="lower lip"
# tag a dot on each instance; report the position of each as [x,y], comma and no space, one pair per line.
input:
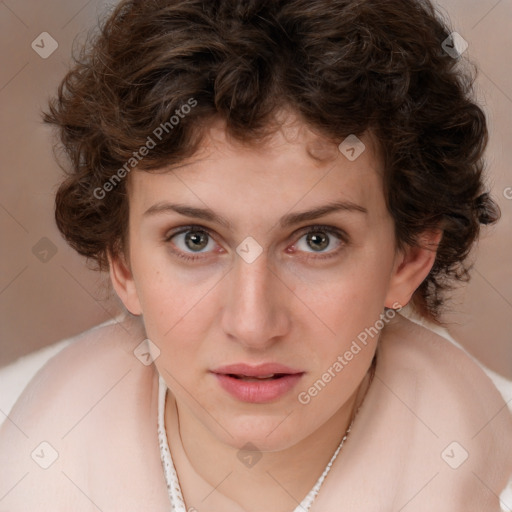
[258,392]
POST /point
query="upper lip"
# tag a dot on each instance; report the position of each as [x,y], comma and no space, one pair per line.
[259,370]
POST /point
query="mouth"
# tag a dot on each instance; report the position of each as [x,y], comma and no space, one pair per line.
[247,378]
[262,371]
[259,384]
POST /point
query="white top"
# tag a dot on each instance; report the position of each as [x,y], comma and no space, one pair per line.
[171,477]
[429,407]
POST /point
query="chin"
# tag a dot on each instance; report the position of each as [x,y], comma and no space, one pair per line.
[267,434]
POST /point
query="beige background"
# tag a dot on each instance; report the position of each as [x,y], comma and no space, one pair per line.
[42,302]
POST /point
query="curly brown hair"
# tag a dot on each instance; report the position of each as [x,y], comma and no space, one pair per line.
[344,66]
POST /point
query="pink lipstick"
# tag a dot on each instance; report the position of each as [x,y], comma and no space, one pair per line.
[257,384]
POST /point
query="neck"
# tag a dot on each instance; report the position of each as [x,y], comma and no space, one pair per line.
[278,481]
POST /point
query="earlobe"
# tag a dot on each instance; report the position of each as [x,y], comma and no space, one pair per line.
[412,266]
[124,284]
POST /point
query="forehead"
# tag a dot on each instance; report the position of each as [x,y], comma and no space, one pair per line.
[294,165]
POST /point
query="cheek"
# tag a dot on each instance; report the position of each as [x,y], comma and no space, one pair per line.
[349,306]
[351,309]
[167,291]
[177,313]
[349,298]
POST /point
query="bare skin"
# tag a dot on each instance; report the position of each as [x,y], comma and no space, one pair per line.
[295,304]
[301,470]
[96,404]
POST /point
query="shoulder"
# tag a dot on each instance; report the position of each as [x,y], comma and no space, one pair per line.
[465,424]
[445,377]
[438,363]
[93,359]
[66,428]
[433,433]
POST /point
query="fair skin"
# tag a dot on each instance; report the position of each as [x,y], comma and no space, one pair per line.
[297,303]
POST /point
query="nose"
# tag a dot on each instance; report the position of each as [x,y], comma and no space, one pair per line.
[255,312]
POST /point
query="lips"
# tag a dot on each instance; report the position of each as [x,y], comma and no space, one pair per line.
[254,379]
[257,384]
[265,370]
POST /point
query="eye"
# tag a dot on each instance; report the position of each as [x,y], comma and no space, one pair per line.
[194,242]
[189,240]
[321,239]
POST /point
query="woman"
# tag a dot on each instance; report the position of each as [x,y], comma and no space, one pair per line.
[268,184]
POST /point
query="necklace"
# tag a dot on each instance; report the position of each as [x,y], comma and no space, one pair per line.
[171,477]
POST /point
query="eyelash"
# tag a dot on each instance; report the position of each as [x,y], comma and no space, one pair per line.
[330,230]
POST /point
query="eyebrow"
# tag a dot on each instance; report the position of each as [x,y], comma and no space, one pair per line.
[287,220]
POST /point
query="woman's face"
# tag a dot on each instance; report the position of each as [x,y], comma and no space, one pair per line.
[262,255]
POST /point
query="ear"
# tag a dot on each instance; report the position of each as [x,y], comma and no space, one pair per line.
[124,284]
[412,266]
